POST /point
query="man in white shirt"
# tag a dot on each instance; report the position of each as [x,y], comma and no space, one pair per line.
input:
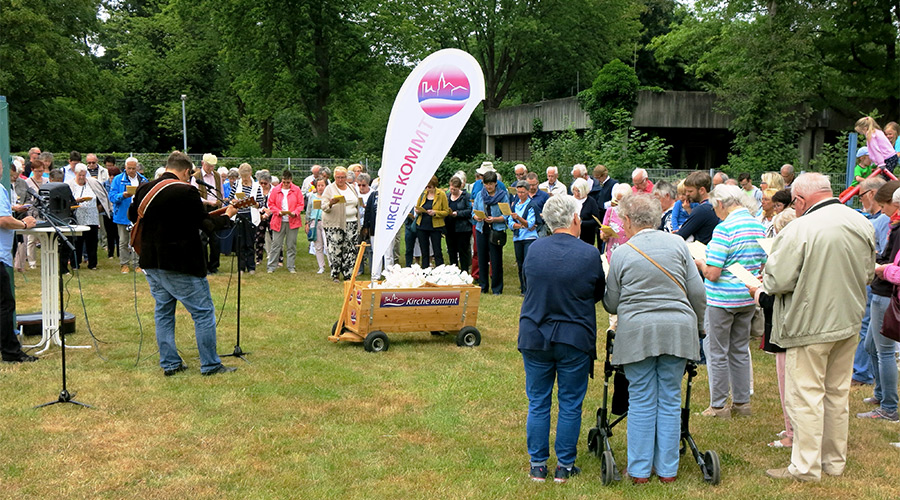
[552,186]
[208,174]
[308,182]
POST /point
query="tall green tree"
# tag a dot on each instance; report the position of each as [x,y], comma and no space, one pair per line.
[56,91]
[529,49]
[161,50]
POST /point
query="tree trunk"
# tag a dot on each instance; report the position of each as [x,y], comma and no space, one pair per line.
[268,136]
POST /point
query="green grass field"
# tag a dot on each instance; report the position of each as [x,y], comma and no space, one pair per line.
[311,419]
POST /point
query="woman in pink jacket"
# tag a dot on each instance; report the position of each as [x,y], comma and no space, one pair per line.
[285,205]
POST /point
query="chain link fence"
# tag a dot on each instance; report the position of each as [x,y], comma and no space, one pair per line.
[151,161]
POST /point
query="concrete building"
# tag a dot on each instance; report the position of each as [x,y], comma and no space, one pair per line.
[688,121]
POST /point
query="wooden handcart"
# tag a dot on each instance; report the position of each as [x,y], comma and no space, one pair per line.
[367,313]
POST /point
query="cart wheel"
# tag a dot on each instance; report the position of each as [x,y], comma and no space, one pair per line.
[607,467]
[334,329]
[376,341]
[713,472]
[469,336]
[593,441]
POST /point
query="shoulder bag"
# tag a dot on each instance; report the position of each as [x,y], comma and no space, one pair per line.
[658,267]
[890,327]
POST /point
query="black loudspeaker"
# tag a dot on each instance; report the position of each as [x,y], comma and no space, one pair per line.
[59,200]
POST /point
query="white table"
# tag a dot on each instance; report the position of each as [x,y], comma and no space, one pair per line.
[50,316]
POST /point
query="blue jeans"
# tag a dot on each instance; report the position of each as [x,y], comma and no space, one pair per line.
[862,371]
[570,367]
[881,352]
[654,415]
[167,287]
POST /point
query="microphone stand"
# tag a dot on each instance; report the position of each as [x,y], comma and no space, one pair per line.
[64,395]
[238,352]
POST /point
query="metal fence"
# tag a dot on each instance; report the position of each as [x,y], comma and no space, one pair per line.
[152,161]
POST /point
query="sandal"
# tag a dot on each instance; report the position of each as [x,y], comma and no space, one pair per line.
[781,434]
[780,444]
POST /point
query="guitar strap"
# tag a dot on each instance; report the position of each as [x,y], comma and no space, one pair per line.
[142,208]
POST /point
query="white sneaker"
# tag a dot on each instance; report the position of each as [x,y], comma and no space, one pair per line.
[321,270]
[292,271]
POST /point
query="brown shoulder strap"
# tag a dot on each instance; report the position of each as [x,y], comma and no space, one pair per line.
[638,250]
[143,207]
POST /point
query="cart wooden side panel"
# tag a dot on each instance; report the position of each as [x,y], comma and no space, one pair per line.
[446,308]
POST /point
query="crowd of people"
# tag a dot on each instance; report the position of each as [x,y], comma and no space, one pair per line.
[630,243]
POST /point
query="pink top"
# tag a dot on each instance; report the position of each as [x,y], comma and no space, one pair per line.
[612,220]
[295,206]
[879,148]
[648,188]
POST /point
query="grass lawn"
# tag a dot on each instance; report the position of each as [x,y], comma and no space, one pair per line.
[311,419]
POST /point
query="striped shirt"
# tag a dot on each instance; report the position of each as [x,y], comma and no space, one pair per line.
[734,242]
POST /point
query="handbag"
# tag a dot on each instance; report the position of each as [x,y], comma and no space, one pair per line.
[497,237]
[890,327]
[311,233]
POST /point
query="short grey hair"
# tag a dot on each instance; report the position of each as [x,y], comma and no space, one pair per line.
[787,167]
[730,196]
[642,209]
[363,177]
[233,173]
[47,159]
[558,211]
[872,184]
[263,175]
[554,169]
[582,186]
[621,187]
[811,183]
[81,167]
[639,173]
[131,159]
[580,168]
[664,188]
[522,166]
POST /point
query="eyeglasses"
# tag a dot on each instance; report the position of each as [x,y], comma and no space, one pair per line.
[91,163]
[794,200]
[867,191]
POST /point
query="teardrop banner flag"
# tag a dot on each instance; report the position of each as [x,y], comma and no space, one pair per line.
[432,107]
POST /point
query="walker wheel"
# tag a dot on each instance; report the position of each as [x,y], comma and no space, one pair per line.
[713,472]
[376,341]
[607,467]
[468,336]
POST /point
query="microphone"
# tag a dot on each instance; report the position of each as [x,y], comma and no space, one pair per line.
[200,182]
[37,197]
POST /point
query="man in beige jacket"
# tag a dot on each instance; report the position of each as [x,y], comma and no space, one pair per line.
[818,271]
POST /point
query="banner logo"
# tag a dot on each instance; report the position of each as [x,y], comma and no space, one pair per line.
[443,91]
[353,316]
[411,299]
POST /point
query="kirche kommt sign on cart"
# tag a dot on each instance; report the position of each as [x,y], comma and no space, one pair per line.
[409,299]
[432,107]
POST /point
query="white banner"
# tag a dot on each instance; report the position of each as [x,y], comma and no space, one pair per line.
[432,107]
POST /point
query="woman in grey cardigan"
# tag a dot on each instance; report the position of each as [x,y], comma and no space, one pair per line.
[660,304]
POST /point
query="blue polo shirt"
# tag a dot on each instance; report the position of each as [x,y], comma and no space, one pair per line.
[6,235]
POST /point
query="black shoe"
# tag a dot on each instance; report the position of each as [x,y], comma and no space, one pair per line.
[180,368]
[221,369]
[563,474]
[538,473]
[21,358]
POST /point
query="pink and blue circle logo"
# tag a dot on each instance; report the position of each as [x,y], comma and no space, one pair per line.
[443,91]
